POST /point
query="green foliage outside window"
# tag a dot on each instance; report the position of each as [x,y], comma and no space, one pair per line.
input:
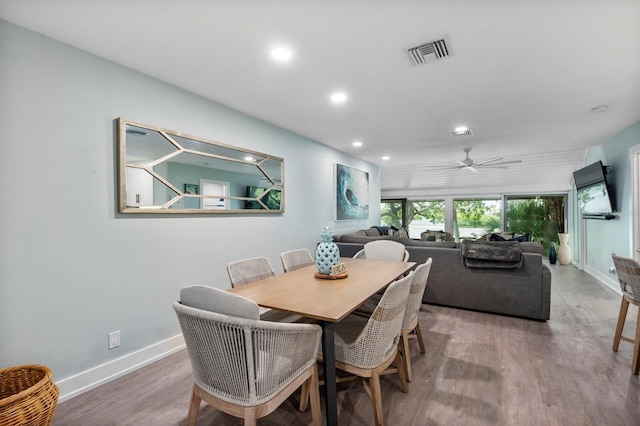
[391,213]
[539,217]
[542,217]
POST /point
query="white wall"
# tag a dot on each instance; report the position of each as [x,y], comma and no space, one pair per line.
[71,268]
[603,237]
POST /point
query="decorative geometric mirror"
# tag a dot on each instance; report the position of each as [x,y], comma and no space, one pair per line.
[164,171]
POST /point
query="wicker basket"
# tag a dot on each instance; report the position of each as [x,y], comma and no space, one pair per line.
[28,396]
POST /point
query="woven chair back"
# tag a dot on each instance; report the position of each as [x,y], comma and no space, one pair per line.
[384,250]
[243,361]
[249,270]
[296,259]
[379,338]
[418,286]
[628,271]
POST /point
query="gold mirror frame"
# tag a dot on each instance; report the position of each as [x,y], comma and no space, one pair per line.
[164,171]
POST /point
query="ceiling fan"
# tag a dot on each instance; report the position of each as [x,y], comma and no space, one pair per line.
[469,164]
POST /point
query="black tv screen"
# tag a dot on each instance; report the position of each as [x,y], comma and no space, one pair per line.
[594,200]
[589,175]
[271,199]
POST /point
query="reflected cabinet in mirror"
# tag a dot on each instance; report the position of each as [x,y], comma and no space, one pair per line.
[164,171]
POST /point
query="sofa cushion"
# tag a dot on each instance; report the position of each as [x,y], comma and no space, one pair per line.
[531,247]
[352,238]
[371,232]
[421,243]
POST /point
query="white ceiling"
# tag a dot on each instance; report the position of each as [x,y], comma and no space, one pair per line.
[524,75]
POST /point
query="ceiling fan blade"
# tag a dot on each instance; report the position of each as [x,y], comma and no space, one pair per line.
[441,167]
[501,163]
[482,163]
[470,168]
[495,167]
[462,163]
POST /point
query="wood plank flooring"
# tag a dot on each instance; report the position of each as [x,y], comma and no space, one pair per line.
[479,369]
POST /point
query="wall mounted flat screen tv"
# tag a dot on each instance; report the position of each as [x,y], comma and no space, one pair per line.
[271,199]
[593,192]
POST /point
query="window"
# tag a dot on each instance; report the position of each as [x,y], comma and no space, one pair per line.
[392,213]
[473,217]
[536,215]
[423,215]
[416,216]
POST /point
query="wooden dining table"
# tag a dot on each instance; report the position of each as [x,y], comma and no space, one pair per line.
[300,292]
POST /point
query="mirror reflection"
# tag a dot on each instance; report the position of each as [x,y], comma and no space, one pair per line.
[163,171]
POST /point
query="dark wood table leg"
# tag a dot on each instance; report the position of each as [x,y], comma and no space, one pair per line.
[329,366]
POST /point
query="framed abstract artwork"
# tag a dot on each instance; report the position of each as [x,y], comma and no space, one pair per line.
[352,193]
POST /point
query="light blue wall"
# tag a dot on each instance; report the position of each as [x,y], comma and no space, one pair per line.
[603,237]
[71,269]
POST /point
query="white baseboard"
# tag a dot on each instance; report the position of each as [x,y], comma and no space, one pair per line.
[605,280]
[94,377]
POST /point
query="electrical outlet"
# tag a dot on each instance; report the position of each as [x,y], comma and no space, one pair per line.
[114,339]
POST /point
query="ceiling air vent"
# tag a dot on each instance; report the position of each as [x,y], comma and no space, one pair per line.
[431,51]
[458,134]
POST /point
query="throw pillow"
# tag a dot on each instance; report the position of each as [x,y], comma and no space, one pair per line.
[433,235]
[520,238]
[401,233]
[501,236]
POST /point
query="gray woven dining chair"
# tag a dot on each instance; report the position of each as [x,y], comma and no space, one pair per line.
[383,250]
[246,271]
[366,347]
[243,366]
[628,271]
[296,259]
[410,323]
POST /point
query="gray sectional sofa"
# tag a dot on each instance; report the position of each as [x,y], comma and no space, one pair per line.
[523,292]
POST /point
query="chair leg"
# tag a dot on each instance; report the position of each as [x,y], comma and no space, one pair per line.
[419,336]
[376,398]
[624,306]
[404,342]
[304,396]
[250,417]
[314,395]
[635,366]
[194,407]
[402,372]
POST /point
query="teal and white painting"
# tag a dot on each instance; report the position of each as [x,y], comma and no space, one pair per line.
[352,193]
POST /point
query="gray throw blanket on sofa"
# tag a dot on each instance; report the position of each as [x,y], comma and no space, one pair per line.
[491,254]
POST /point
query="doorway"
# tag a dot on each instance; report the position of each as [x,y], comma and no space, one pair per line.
[215,194]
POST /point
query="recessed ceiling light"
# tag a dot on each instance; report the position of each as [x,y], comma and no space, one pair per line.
[338,97]
[600,108]
[461,129]
[386,157]
[357,143]
[249,158]
[281,54]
